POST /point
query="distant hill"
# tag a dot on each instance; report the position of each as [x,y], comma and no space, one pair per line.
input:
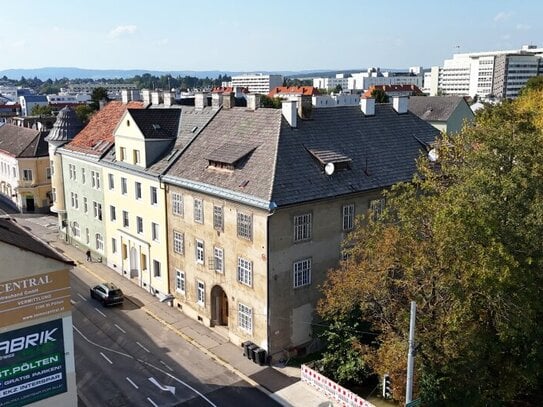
[79,73]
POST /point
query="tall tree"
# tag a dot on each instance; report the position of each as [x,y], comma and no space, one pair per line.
[463,240]
[379,95]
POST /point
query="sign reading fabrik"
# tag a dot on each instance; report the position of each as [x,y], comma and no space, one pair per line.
[32,364]
[28,298]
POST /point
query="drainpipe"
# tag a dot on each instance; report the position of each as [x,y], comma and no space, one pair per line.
[272,208]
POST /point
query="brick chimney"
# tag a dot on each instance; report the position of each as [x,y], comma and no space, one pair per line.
[200,100]
[289,110]
[367,105]
[253,101]
[228,101]
[400,104]
[169,99]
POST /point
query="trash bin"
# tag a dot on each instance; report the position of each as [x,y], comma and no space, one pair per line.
[261,356]
[251,351]
[245,346]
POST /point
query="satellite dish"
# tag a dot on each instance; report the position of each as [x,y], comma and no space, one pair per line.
[329,168]
[432,155]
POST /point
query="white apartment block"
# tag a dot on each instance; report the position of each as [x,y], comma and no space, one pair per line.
[362,81]
[498,73]
[257,83]
[331,83]
[341,99]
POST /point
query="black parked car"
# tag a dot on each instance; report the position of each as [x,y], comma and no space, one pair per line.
[107,294]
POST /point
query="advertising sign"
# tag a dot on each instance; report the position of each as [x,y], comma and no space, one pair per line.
[28,298]
[32,364]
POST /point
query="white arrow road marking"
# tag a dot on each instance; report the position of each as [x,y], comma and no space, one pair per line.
[171,389]
[143,347]
[100,312]
[132,383]
[152,402]
[166,366]
[80,296]
[120,329]
[106,358]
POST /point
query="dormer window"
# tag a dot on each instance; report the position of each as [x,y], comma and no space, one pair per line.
[324,157]
[230,156]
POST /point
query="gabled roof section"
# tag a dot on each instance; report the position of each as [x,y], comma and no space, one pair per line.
[434,108]
[16,140]
[97,135]
[37,148]
[13,234]
[157,123]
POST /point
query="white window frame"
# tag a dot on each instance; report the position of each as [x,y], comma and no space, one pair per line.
[302,227]
[301,272]
[95,179]
[199,251]
[200,293]
[153,191]
[377,206]
[97,210]
[245,318]
[99,242]
[198,210]
[178,242]
[245,271]
[155,231]
[180,281]
[245,225]
[218,259]
[218,217]
[177,204]
[347,218]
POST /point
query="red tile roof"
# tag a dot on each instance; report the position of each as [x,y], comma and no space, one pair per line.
[294,90]
[227,89]
[100,128]
[414,89]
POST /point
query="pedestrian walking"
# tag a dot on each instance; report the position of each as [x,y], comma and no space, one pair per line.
[88,255]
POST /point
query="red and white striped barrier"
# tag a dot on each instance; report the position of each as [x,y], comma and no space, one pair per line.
[332,389]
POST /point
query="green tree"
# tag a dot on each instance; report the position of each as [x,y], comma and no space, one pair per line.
[534,83]
[42,110]
[97,95]
[83,112]
[266,101]
[337,89]
[379,95]
[463,240]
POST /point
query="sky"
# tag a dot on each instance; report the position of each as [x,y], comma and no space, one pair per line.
[272,35]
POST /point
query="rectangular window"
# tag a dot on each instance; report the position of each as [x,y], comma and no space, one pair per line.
[112,213]
[73,199]
[201,293]
[126,223]
[180,281]
[85,205]
[122,153]
[87,235]
[137,190]
[156,268]
[95,179]
[137,156]
[48,173]
[245,271]
[82,175]
[218,218]
[124,249]
[27,175]
[348,216]
[71,168]
[154,196]
[139,224]
[245,226]
[245,317]
[52,167]
[198,211]
[111,180]
[302,227]
[113,245]
[218,259]
[178,242]
[99,242]
[301,273]
[97,210]
[199,251]
[155,231]
[377,206]
[177,204]
[124,188]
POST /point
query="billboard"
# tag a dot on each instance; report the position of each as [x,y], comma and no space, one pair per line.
[32,363]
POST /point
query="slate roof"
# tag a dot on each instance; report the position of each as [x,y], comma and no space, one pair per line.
[35,98]
[20,141]
[157,123]
[434,108]
[13,234]
[97,136]
[66,126]
[382,148]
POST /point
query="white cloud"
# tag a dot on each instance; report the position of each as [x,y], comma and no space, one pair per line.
[502,16]
[123,30]
[523,27]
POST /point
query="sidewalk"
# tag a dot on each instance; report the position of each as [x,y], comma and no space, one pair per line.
[283,385]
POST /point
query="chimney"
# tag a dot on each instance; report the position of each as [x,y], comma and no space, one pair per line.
[238,91]
[305,106]
[200,100]
[146,95]
[400,103]
[126,96]
[102,103]
[228,100]
[169,99]
[216,100]
[155,97]
[253,101]
[367,105]
[288,108]
[134,94]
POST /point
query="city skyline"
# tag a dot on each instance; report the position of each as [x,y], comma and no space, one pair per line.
[238,36]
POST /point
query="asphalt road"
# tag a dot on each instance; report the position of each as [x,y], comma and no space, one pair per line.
[125,358]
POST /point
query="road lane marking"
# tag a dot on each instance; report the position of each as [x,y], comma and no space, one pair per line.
[152,402]
[143,347]
[132,383]
[171,389]
[167,367]
[120,329]
[72,302]
[106,358]
[100,346]
[100,312]
[80,296]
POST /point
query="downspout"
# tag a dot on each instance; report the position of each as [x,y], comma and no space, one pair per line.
[272,208]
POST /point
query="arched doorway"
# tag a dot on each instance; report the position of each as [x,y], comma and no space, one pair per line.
[219,306]
[134,270]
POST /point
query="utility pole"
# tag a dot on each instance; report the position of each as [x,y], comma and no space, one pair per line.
[411,354]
